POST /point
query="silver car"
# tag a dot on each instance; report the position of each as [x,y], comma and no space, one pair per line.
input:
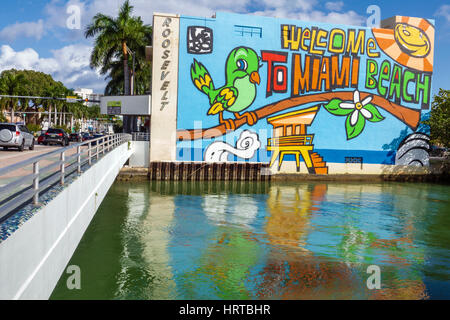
[15,136]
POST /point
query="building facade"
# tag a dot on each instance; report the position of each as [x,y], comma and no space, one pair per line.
[304,97]
[88,94]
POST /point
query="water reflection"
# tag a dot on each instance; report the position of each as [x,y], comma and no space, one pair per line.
[330,243]
[221,268]
[221,240]
[144,269]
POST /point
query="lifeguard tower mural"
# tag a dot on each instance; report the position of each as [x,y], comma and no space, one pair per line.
[290,137]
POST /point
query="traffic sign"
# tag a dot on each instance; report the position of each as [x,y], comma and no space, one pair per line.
[71,99]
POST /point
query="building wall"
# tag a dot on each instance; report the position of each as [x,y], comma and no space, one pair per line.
[336,98]
[165,87]
[140,157]
[88,94]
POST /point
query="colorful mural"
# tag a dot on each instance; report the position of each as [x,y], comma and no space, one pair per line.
[290,137]
[355,88]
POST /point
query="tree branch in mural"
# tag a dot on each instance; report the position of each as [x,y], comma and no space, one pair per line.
[410,117]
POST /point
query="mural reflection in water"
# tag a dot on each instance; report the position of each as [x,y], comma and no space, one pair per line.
[229,240]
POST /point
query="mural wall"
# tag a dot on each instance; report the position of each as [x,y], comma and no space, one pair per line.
[304,97]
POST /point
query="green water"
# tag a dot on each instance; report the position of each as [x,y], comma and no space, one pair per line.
[265,241]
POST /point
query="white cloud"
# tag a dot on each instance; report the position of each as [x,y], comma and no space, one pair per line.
[24,29]
[70,65]
[334,6]
[145,8]
[444,11]
[349,17]
[298,9]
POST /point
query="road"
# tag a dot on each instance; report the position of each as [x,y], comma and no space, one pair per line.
[12,156]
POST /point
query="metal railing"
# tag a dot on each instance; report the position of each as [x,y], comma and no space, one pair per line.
[51,169]
[141,136]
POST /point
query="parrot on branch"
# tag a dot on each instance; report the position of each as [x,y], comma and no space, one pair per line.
[239,91]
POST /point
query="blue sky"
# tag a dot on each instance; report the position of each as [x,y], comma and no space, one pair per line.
[34,33]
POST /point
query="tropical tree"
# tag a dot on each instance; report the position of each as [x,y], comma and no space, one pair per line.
[38,84]
[55,90]
[94,112]
[113,38]
[35,84]
[31,83]
[11,83]
[142,78]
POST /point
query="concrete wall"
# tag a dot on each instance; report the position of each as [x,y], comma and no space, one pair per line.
[126,105]
[165,87]
[141,155]
[33,258]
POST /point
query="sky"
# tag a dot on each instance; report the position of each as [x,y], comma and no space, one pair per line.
[34,34]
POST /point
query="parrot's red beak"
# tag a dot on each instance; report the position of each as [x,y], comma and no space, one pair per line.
[254,77]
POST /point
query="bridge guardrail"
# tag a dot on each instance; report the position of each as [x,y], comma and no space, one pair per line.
[141,136]
[70,159]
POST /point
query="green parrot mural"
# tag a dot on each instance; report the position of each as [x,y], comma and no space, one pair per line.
[239,91]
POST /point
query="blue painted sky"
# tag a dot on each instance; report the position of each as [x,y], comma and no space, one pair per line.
[34,33]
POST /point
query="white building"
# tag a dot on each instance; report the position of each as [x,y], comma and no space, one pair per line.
[88,94]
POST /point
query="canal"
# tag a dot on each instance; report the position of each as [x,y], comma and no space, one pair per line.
[231,240]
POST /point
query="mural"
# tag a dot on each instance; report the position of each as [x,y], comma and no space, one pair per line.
[239,91]
[290,137]
[200,40]
[414,150]
[279,75]
[245,148]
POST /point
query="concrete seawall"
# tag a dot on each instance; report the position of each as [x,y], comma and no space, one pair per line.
[34,257]
[201,171]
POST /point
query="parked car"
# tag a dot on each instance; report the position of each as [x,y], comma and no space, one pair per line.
[95,136]
[56,136]
[86,136]
[41,137]
[15,136]
[75,137]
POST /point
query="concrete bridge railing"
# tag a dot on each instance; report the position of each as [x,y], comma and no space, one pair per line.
[46,212]
[49,169]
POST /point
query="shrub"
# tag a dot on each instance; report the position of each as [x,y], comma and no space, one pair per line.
[439,120]
[65,128]
[34,127]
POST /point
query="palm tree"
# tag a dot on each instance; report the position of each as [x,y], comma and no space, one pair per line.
[114,36]
[11,83]
[52,106]
[142,78]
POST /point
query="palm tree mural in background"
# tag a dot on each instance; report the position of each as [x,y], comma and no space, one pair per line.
[113,35]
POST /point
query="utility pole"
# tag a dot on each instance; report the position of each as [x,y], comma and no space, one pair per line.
[49,116]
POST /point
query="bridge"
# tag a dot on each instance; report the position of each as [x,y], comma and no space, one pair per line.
[46,204]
